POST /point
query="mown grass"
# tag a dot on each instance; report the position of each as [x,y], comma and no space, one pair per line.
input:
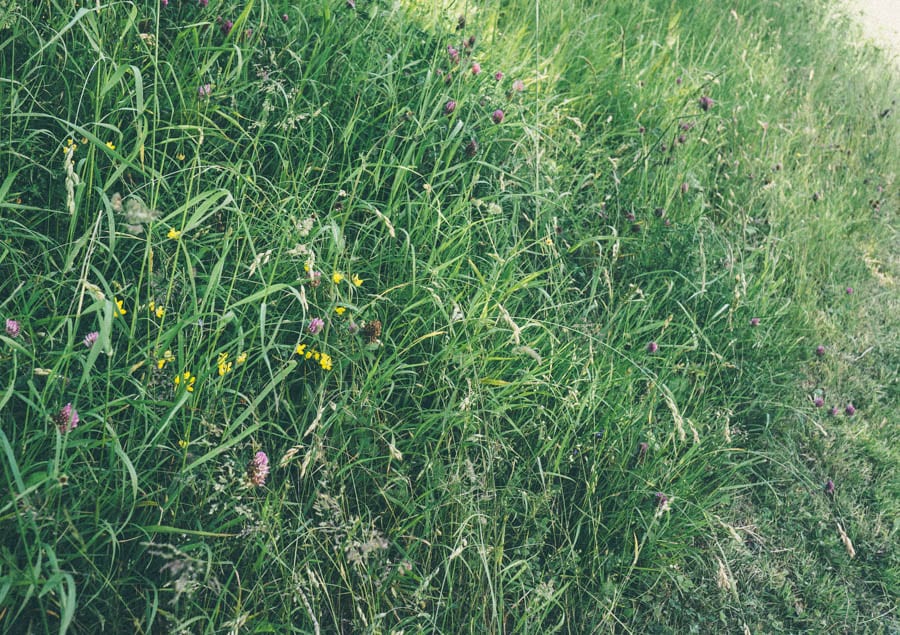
[565,373]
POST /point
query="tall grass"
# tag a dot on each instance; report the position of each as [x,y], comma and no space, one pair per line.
[519,341]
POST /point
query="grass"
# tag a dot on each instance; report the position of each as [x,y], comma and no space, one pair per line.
[529,351]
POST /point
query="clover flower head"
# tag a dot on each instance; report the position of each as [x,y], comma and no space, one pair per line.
[850,410]
[226,27]
[66,419]
[498,76]
[829,487]
[497,116]
[258,469]
[820,350]
[316,325]
[476,68]
[835,411]
[204,90]
[13,328]
[449,107]
[849,290]
[754,321]
[818,402]
[90,339]
[652,347]
[706,103]
[518,85]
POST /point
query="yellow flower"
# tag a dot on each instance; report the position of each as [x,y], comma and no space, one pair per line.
[325,361]
[336,277]
[188,380]
[173,234]
[167,357]
[119,310]
[241,358]
[182,444]
[223,364]
[70,145]
[180,156]
[158,310]
[110,145]
[356,280]
[340,310]
[301,349]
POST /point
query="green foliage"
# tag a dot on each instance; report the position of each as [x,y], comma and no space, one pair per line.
[262,227]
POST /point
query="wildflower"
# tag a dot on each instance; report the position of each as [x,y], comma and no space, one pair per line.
[518,85]
[471,148]
[258,469]
[337,277]
[241,358]
[203,3]
[70,146]
[754,321]
[498,76]
[226,27]
[187,379]
[835,411]
[325,361]
[453,53]
[356,280]
[159,311]
[315,278]
[340,310]
[110,145]
[849,410]
[316,325]
[706,103]
[173,234]
[818,402]
[476,68]
[167,358]
[223,364]
[652,347]
[661,499]
[449,107]
[180,156]
[182,443]
[120,309]
[301,349]
[829,487]
[90,339]
[204,90]
[284,17]
[497,116]
[820,350]
[13,328]
[352,328]
[849,290]
[471,41]
[66,419]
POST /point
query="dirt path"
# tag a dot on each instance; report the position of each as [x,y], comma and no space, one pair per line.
[881,21]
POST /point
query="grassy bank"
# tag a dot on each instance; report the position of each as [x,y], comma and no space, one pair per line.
[372,317]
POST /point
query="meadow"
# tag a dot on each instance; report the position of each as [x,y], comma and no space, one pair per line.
[432,317]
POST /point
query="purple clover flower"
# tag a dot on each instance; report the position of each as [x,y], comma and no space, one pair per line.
[835,411]
[13,328]
[818,402]
[449,107]
[498,76]
[204,90]
[476,68]
[90,339]
[820,350]
[829,487]
[849,290]
[706,103]
[754,321]
[518,85]
[652,347]
[497,116]
[66,419]
[316,325]
[849,410]
[226,27]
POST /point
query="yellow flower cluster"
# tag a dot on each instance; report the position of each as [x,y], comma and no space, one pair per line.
[187,379]
[119,311]
[324,359]
[173,234]
[337,277]
[223,364]
[159,311]
[167,358]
